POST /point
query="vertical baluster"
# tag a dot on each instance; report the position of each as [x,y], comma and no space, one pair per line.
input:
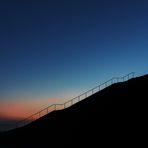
[111,81]
[86,95]
[78,98]
[133,74]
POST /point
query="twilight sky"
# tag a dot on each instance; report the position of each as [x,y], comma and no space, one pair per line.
[52,50]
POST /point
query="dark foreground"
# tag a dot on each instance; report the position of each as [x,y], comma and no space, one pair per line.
[115,116]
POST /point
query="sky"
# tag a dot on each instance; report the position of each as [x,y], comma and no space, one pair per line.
[53,50]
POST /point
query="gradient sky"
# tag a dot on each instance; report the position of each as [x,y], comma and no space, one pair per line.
[51,50]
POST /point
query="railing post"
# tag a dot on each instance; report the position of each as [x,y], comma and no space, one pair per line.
[92,91]
[86,95]
[99,87]
[111,81]
[79,98]
[133,74]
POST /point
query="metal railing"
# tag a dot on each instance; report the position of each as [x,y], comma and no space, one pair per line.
[73,101]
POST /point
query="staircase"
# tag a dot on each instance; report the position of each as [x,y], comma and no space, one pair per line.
[73,101]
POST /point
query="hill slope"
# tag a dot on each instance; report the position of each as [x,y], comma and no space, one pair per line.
[114,115]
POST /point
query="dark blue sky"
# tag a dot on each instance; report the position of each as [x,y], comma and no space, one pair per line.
[58,48]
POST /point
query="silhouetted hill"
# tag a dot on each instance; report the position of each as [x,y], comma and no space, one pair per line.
[115,116]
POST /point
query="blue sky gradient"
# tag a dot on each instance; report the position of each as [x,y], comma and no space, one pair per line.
[57,49]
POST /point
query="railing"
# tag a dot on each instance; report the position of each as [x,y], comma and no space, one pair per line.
[73,101]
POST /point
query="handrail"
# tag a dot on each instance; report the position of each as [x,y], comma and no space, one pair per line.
[74,100]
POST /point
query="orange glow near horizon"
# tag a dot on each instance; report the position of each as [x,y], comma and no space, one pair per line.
[18,110]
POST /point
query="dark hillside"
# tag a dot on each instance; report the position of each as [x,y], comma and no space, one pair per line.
[115,115]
